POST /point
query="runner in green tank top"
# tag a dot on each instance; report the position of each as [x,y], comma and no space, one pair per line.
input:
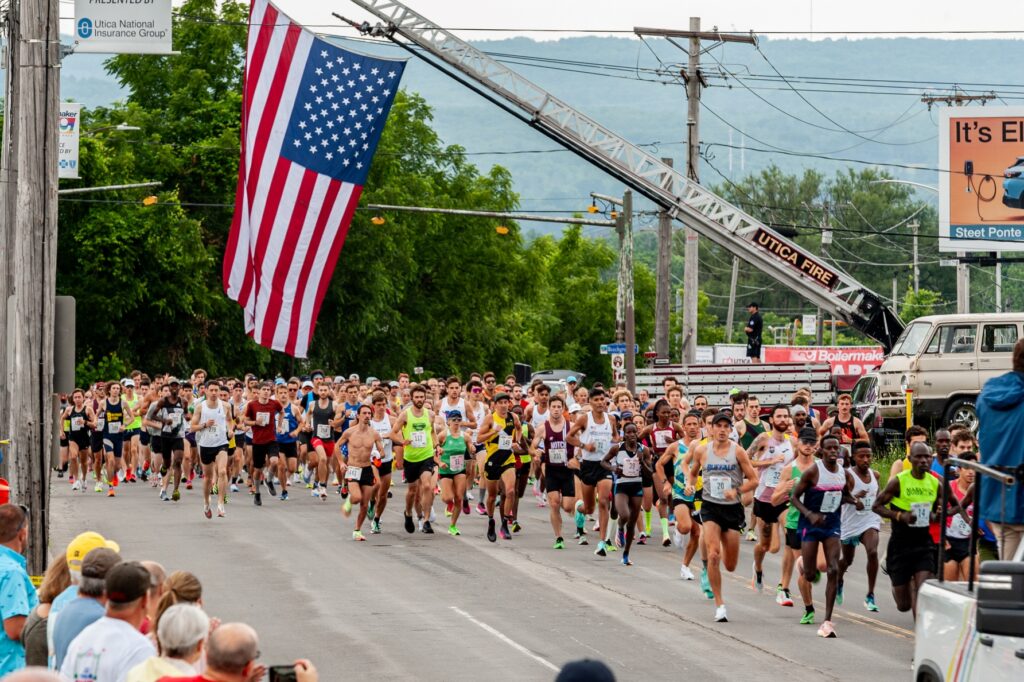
[132,431]
[454,450]
[415,432]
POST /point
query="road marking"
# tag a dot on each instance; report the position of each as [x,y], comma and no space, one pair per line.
[507,640]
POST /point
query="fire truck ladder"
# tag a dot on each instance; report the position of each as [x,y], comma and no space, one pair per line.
[711,216]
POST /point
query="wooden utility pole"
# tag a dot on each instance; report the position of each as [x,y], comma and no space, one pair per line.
[694,81]
[731,312]
[627,249]
[30,203]
[662,304]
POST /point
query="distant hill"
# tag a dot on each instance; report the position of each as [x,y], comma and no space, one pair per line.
[652,112]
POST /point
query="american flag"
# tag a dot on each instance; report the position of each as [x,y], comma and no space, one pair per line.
[312,115]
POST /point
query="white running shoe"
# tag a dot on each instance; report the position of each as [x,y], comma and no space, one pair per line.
[720,615]
[685,573]
[77,485]
[220,510]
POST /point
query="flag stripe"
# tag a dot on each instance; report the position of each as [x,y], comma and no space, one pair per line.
[339,241]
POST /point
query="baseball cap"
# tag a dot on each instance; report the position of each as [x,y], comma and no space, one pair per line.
[339,379]
[453,414]
[173,380]
[808,435]
[721,416]
[98,562]
[798,409]
[752,304]
[129,382]
[279,381]
[353,377]
[392,384]
[575,408]
[501,396]
[626,416]
[571,379]
[370,380]
[85,543]
[307,384]
[127,581]
[733,391]
[316,374]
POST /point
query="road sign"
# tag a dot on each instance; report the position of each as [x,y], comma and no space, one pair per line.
[808,325]
[617,349]
[948,262]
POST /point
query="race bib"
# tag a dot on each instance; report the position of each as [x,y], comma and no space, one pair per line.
[868,501]
[262,418]
[457,463]
[175,418]
[922,514]
[830,501]
[558,455]
[323,431]
[100,423]
[717,485]
[77,423]
[773,476]
[350,414]
[353,473]
[114,428]
[662,438]
[960,528]
[601,447]
[419,439]
[504,441]
[631,467]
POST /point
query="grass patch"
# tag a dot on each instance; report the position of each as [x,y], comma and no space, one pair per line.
[882,461]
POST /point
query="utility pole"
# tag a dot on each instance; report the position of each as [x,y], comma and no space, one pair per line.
[627,251]
[732,299]
[662,304]
[826,240]
[34,49]
[694,82]
[917,271]
[999,282]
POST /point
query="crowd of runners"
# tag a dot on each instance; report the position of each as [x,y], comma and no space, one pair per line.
[793,477]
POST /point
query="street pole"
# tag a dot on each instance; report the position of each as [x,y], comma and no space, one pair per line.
[963,284]
[620,290]
[627,212]
[731,312]
[662,304]
[895,295]
[917,271]
[691,262]
[999,283]
[31,321]
[826,239]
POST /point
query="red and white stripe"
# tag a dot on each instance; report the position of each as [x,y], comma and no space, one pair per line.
[288,229]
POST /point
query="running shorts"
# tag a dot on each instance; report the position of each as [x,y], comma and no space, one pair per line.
[630,489]
[415,470]
[208,455]
[327,445]
[793,539]
[113,444]
[191,437]
[385,468]
[79,438]
[726,516]
[592,472]
[156,445]
[365,476]
[131,433]
[289,450]
[494,467]
[769,512]
[450,475]
[170,445]
[260,452]
[559,479]
[64,441]
[901,563]
[646,478]
[753,349]
[96,441]
[144,437]
[959,549]
[832,528]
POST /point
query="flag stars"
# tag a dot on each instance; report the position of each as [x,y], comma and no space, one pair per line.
[318,100]
[391,74]
[297,143]
[358,125]
[334,78]
[358,95]
[319,131]
[356,66]
[375,99]
[323,82]
[308,136]
[374,71]
[380,81]
[362,77]
[330,95]
[345,162]
[334,137]
[359,165]
[319,71]
[346,71]
[308,106]
[329,156]
[323,53]
[351,84]
[347,131]
[386,93]
[302,124]
[312,149]
[334,106]
[346,101]
[313,118]
[324,143]
[330,64]
[323,113]
[312,88]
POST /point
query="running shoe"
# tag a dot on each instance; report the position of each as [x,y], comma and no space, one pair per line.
[175,496]
[807,618]
[642,540]
[453,531]
[220,511]
[839,595]
[77,485]
[826,630]
[375,527]
[323,494]
[516,527]
[750,537]
[581,520]
[315,492]
[600,551]
[782,596]
[215,489]
[503,532]
[720,615]
[346,507]
[869,603]
[426,527]
[433,515]
[207,512]
[817,578]
[270,488]
[677,539]
[284,495]
[582,539]
[371,508]
[559,544]
[234,487]
[666,541]
[685,573]
[257,500]
[610,546]
[307,477]
[481,509]
[188,485]
[448,508]
[163,496]
[410,527]
[465,506]
[358,536]
[626,561]
[758,580]
[490,531]
[98,488]
[110,493]
[705,584]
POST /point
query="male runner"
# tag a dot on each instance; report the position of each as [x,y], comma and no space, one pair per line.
[852,428]
[264,417]
[818,496]
[860,524]
[593,434]
[551,445]
[211,422]
[288,434]
[323,417]
[414,430]
[170,412]
[382,459]
[725,466]
[114,414]
[500,433]
[359,474]
[773,453]
[670,479]
[806,448]
[752,424]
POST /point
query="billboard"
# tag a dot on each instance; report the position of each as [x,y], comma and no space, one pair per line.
[68,124]
[135,27]
[848,363]
[981,179]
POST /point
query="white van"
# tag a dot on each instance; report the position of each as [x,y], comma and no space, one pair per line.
[945,360]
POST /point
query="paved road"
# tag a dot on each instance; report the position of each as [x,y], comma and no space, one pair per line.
[440,608]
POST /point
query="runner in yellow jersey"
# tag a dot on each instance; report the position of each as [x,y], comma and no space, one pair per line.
[500,433]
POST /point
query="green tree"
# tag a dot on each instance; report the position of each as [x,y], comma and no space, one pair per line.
[918,304]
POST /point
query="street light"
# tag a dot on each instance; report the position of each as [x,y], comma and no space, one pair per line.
[120,127]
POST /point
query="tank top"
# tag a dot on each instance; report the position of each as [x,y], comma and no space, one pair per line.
[537,421]
[383,427]
[500,444]
[479,413]
[917,496]
[793,514]
[662,438]
[630,463]
[417,430]
[136,422]
[291,421]
[679,475]
[113,417]
[846,428]
[321,420]
[600,434]
[175,411]
[557,450]
[447,407]
[453,454]
[238,408]
[826,497]
[768,477]
[76,420]
[216,435]
[956,527]
[856,522]
[721,474]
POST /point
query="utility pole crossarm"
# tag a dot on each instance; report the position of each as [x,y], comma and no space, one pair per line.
[707,213]
[748,38]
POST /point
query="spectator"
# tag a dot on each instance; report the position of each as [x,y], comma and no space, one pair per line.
[1001,429]
[753,330]
[34,673]
[58,578]
[231,654]
[77,549]
[156,592]
[90,605]
[182,632]
[17,594]
[113,645]
[181,588]
[585,670]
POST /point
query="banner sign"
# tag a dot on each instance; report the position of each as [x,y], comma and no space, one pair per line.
[797,259]
[68,124]
[848,363]
[981,179]
[132,27]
